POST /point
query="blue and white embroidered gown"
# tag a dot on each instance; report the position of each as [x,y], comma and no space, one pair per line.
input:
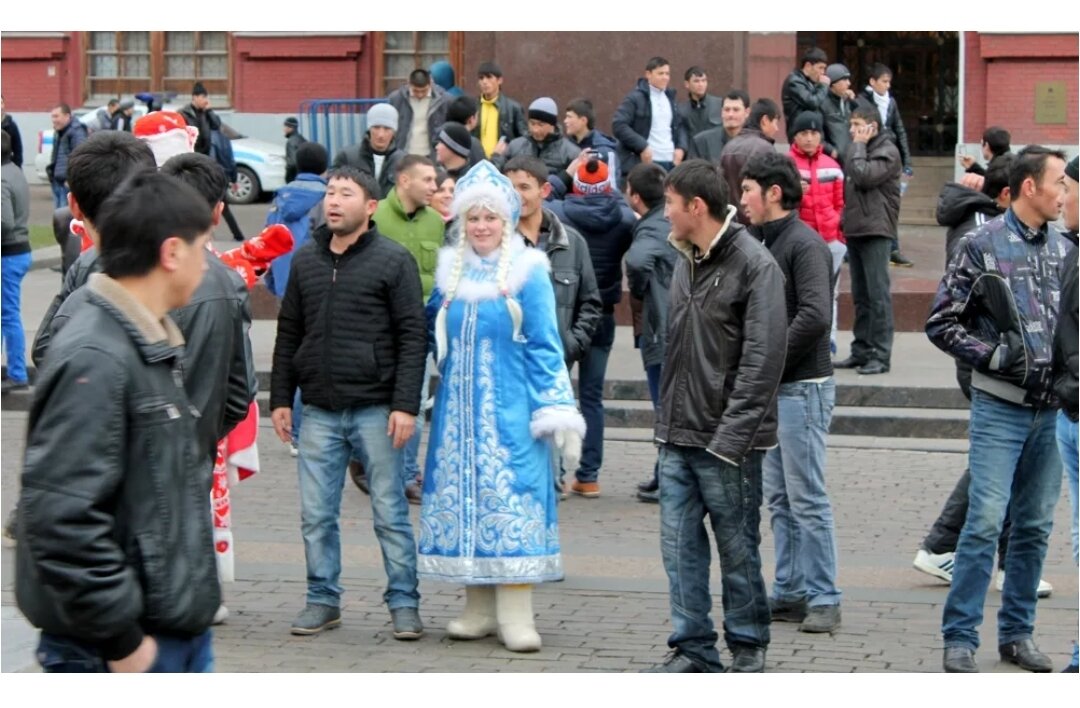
[488,514]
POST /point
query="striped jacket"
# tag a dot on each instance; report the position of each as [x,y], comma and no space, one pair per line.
[823,202]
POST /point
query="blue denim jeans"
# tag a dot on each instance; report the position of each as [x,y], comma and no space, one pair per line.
[591,372]
[1013,456]
[330,439]
[1067,448]
[412,448]
[794,483]
[191,655]
[693,484]
[297,417]
[14,270]
[59,193]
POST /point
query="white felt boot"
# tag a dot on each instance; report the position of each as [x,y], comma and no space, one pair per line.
[517,629]
[478,619]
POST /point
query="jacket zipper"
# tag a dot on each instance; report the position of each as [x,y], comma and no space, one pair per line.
[328,345]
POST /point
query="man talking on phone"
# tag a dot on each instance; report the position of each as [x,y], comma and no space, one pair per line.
[871,210]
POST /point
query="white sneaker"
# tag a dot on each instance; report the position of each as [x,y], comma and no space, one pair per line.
[221,615]
[294,450]
[1045,588]
[940,565]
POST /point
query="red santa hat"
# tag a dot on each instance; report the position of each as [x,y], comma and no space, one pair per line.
[167,134]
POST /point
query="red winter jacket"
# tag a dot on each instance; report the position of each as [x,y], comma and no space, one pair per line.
[823,203]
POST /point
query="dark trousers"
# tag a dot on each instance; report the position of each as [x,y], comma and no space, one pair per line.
[234,227]
[70,244]
[592,369]
[868,259]
[945,533]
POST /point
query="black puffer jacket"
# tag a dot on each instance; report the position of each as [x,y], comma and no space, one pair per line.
[872,188]
[1066,339]
[962,210]
[218,367]
[115,538]
[633,121]
[362,157]
[806,264]
[727,335]
[351,331]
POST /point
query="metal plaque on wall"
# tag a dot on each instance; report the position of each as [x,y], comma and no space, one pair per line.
[1050,102]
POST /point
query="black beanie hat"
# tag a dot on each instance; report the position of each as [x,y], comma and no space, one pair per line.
[1071,170]
[807,120]
[311,157]
[456,137]
[198,89]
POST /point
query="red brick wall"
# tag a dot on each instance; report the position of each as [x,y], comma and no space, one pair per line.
[1000,85]
[770,57]
[40,71]
[273,74]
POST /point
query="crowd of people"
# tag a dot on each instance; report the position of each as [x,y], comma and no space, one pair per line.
[479,241]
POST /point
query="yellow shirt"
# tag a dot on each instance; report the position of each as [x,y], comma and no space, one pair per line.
[489,125]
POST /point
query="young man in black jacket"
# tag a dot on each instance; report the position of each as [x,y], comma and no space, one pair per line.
[352,335]
[871,211]
[727,334]
[113,488]
[647,123]
[805,88]
[794,471]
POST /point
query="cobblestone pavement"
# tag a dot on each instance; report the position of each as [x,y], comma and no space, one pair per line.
[611,612]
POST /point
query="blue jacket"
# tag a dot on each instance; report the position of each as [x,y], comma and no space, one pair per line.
[63,143]
[297,205]
[607,225]
[997,308]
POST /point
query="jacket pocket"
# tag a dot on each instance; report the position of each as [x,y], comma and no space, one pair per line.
[566,288]
[428,257]
[151,570]
[367,364]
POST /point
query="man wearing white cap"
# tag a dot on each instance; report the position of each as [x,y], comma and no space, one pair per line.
[376,154]
[544,140]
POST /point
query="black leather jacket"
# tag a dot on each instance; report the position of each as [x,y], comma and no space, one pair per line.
[115,537]
[577,296]
[727,339]
[215,324]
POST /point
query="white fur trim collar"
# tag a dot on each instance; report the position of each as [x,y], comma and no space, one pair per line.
[687,249]
[522,262]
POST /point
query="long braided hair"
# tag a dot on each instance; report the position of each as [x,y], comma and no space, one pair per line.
[502,276]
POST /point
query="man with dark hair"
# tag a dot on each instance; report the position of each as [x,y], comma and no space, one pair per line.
[794,471]
[293,141]
[836,112]
[962,211]
[95,566]
[200,115]
[756,138]
[9,126]
[993,310]
[871,211]
[606,223]
[376,154]
[647,123]
[16,262]
[406,216]
[501,117]
[649,265]
[995,143]
[577,297]
[68,134]
[700,111]
[466,111]
[421,108]
[96,169]
[717,416]
[805,88]
[579,120]
[709,144]
[544,139]
[876,97]
[352,336]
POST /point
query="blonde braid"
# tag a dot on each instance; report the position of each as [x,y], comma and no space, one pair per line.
[440,317]
[504,270]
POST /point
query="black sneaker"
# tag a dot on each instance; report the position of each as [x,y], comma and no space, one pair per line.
[676,663]
[407,624]
[821,619]
[315,618]
[650,485]
[747,660]
[785,611]
[649,497]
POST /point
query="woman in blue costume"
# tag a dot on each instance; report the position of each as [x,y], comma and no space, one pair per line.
[488,516]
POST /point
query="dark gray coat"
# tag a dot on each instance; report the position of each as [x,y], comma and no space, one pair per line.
[556,151]
[872,188]
[699,116]
[836,119]
[649,265]
[799,94]
[436,116]
[577,297]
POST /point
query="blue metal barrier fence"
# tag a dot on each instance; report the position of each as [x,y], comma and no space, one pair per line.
[336,123]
